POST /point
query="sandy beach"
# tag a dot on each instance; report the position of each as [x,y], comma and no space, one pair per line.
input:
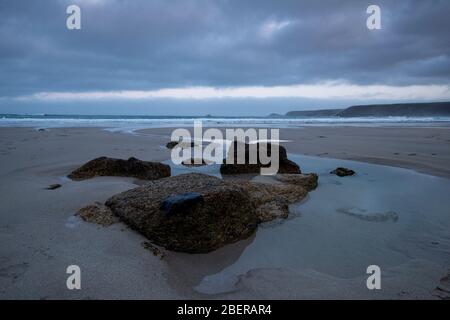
[40,236]
[424,149]
[346,199]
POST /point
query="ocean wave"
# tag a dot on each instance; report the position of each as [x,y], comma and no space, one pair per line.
[132,123]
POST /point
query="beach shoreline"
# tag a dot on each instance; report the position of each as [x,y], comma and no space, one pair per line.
[423,149]
[40,236]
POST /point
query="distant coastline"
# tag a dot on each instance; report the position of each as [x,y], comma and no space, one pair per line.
[430,109]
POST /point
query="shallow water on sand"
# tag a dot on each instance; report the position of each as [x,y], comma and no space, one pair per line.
[382,215]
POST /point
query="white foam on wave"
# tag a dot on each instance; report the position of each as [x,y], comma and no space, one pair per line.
[131,124]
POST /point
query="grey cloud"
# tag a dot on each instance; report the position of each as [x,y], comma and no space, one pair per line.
[137,44]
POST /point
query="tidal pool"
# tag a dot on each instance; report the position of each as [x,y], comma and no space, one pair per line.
[383,215]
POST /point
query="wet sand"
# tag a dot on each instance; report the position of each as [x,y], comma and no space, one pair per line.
[40,237]
[424,149]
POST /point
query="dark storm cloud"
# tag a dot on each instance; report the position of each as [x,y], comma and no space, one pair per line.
[144,45]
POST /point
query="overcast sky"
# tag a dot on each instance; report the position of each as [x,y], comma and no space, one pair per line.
[219,57]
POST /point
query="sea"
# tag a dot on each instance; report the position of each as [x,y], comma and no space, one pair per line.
[131,123]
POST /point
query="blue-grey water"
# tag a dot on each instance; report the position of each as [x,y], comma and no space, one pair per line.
[383,215]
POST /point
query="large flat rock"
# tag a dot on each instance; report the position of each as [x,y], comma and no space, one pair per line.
[191,212]
[199,213]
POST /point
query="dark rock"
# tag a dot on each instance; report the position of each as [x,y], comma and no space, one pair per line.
[132,167]
[285,165]
[180,203]
[214,212]
[289,167]
[225,215]
[342,172]
[53,186]
[173,144]
[192,163]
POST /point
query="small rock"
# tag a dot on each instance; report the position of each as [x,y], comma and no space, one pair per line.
[181,144]
[156,252]
[194,162]
[97,213]
[171,144]
[53,186]
[343,172]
